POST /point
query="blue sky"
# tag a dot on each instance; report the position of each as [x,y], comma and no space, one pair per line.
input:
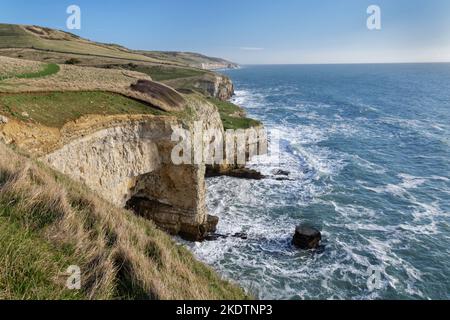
[257,31]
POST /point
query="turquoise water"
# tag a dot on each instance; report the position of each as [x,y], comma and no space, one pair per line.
[368,151]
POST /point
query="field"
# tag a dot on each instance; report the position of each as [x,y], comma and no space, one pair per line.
[164,73]
[73,78]
[55,109]
[15,36]
[47,70]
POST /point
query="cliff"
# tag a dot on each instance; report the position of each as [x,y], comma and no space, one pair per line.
[210,84]
[114,132]
[87,174]
[50,224]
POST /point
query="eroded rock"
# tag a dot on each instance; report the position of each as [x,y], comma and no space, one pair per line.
[306,237]
[242,173]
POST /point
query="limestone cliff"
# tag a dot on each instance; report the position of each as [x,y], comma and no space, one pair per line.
[123,157]
[219,87]
[210,84]
[126,159]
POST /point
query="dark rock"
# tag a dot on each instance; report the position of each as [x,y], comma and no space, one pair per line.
[235,172]
[245,173]
[306,237]
[214,237]
[211,223]
[164,96]
[279,172]
[241,235]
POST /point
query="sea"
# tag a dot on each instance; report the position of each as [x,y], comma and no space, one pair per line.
[367,151]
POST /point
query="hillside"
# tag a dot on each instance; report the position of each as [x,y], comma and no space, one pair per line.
[48,223]
[16,38]
[45,39]
[191,59]
[85,134]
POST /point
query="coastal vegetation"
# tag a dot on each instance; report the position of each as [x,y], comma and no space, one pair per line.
[54,109]
[114,106]
[233,116]
[48,223]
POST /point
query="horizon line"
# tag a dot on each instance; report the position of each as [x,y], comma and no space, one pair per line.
[339,63]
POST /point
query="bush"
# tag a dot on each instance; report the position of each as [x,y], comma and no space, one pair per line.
[73,61]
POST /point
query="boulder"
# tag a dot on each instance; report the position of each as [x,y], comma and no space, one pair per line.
[306,237]
[211,223]
[280,172]
[240,235]
[214,237]
[3,119]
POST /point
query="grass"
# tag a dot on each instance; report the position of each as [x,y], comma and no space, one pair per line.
[15,36]
[238,123]
[23,275]
[48,70]
[48,222]
[74,78]
[233,116]
[57,108]
[164,73]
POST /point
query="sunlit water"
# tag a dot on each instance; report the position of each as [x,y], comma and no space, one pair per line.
[368,151]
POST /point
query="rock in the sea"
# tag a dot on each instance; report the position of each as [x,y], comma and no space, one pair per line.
[306,237]
[246,174]
[211,223]
[240,235]
[279,172]
[214,237]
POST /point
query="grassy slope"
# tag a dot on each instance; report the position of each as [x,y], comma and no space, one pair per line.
[186,58]
[57,108]
[233,116]
[164,73]
[47,70]
[15,36]
[48,223]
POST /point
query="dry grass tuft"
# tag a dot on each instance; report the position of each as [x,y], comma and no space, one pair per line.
[48,223]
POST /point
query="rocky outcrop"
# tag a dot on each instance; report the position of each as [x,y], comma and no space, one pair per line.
[306,237]
[129,165]
[255,143]
[216,85]
[242,173]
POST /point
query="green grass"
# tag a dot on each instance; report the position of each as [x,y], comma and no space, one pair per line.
[57,108]
[238,123]
[26,262]
[163,73]
[229,113]
[48,70]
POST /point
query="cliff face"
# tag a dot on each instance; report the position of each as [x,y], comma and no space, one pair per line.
[129,164]
[210,84]
[123,156]
[219,86]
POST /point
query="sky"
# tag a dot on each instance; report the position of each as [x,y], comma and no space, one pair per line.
[257,31]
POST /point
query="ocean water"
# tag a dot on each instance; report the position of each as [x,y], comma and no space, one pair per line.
[368,151]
